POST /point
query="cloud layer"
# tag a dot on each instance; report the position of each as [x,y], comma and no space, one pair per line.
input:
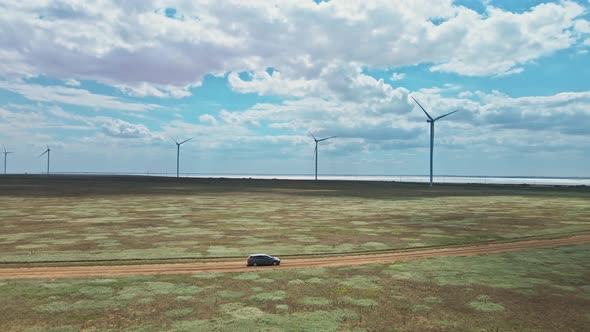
[313,60]
[137,47]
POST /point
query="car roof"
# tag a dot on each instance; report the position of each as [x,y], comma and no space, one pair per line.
[257,255]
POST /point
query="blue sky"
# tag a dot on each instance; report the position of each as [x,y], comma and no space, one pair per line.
[110,86]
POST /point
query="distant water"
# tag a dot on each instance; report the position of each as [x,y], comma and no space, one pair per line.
[413,178]
[563,181]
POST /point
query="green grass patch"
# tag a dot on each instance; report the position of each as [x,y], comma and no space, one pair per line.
[359,302]
[184,298]
[296,282]
[208,275]
[177,313]
[97,291]
[147,300]
[304,321]
[432,299]
[362,282]
[88,305]
[315,301]
[282,307]
[247,276]
[228,294]
[270,296]
[421,307]
[484,304]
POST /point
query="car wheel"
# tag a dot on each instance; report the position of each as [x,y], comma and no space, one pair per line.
[274,263]
[254,264]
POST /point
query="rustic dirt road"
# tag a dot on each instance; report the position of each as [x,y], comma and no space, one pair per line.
[239,266]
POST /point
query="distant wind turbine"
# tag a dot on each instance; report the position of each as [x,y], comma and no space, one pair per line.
[48,151]
[178,155]
[432,121]
[316,152]
[6,153]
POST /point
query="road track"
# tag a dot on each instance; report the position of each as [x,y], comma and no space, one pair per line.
[296,263]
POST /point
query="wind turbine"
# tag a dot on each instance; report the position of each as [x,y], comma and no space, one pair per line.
[316,152]
[178,155]
[48,151]
[6,153]
[432,121]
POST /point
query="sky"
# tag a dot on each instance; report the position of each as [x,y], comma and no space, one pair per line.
[110,85]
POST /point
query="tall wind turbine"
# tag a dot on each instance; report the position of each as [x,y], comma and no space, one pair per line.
[6,153]
[432,121]
[316,152]
[178,155]
[48,151]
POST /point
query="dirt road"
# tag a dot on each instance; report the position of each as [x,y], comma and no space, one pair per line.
[239,266]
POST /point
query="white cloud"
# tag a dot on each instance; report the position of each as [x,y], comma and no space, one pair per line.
[241,118]
[499,43]
[11,119]
[71,82]
[144,89]
[207,118]
[397,76]
[13,66]
[60,94]
[486,121]
[263,83]
[465,94]
[122,129]
[136,48]
[582,26]
[560,114]
[25,121]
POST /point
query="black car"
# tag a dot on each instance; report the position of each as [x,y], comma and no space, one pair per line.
[262,259]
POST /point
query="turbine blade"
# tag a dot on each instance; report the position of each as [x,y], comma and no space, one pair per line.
[185,141]
[327,138]
[315,139]
[442,116]
[41,155]
[428,115]
[4,148]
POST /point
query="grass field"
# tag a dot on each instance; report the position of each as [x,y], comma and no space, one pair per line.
[75,218]
[535,290]
[78,218]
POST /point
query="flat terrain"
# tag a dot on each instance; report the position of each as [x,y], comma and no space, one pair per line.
[533,276]
[234,266]
[532,290]
[73,218]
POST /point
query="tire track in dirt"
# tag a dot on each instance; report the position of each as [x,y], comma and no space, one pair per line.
[296,263]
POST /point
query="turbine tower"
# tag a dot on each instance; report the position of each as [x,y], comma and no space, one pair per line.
[432,121]
[6,153]
[178,155]
[48,151]
[316,152]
